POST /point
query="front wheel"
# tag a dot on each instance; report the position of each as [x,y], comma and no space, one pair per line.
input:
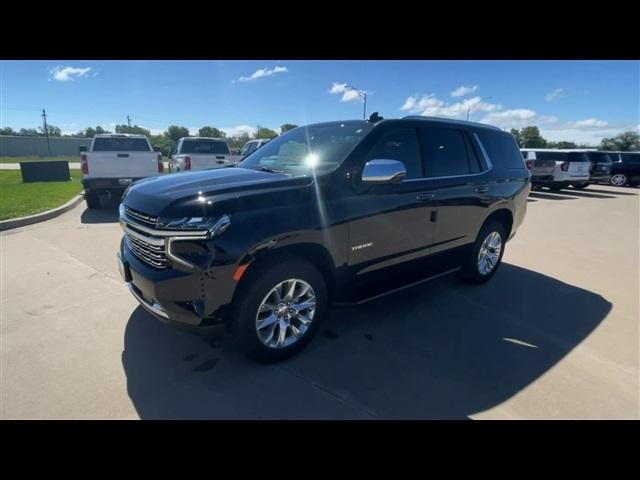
[279,310]
[486,254]
[618,180]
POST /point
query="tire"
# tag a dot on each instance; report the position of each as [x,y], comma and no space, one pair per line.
[580,186]
[470,271]
[92,199]
[257,289]
[618,180]
[555,188]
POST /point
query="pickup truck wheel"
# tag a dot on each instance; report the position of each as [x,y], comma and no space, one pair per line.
[279,311]
[92,199]
[484,258]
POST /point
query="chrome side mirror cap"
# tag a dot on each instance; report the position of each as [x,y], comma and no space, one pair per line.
[383,171]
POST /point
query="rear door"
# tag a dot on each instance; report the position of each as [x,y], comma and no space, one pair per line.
[631,166]
[122,157]
[459,181]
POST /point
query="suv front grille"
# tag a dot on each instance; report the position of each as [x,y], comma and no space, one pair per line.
[151,252]
[141,217]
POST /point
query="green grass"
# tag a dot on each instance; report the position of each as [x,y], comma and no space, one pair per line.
[19,199]
[69,158]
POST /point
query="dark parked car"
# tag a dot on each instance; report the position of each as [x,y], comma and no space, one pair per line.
[333,213]
[601,163]
[625,169]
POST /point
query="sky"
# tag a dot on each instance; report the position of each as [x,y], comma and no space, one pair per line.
[581,101]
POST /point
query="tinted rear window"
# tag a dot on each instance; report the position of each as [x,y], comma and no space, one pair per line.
[630,158]
[204,146]
[502,149]
[446,153]
[578,157]
[121,145]
[556,156]
[599,157]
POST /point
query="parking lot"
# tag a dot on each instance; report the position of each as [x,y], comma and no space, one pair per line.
[554,335]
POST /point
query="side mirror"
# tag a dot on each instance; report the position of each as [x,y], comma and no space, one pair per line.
[383,171]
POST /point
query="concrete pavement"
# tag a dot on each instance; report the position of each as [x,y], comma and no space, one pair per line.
[554,335]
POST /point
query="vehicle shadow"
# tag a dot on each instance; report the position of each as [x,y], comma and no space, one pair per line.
[550,196]
[611,192]
[581,193]
[437,350]
[107,213]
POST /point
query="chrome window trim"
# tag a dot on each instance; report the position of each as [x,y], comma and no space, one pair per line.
[484,153]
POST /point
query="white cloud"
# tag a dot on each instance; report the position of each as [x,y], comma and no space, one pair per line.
[67,74]
[548,119]
[555,94]
[589,123]
[515,118]
[239,130]
[263,72]
[348,94]
[463,90]
[430,105]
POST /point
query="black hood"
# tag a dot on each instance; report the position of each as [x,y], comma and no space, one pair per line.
[207,192]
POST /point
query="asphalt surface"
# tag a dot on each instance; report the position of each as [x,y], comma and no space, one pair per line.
[554,335]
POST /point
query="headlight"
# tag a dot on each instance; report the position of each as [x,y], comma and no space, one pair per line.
[212,225]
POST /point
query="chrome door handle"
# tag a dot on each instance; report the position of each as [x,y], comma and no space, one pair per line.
[482,189]
[425,196]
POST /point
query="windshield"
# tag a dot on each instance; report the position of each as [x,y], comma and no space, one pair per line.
[204,146]
[319,147]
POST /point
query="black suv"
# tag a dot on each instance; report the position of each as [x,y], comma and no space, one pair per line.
[601,163]
[334,213]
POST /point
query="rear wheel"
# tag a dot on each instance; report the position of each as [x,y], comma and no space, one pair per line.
[580,186]
[92,199]
[485,256]
[279,310]
[618,180]
[555,188]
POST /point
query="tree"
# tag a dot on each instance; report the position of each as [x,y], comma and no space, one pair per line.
[7,131]
[211,132]
[263,132]
[100,130]
[52,130]
[516,134]
[89,132]
[561,144]
[134,130]
[239,141]
[287,126]
[29,132]
[162,143]
[530,138]
[624,142]
[175,133]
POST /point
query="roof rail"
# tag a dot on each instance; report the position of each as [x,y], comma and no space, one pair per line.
[451,120]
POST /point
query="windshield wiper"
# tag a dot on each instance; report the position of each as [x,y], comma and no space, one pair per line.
[270,170]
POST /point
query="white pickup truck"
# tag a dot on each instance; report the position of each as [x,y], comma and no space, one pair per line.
[113,162]
[201,153]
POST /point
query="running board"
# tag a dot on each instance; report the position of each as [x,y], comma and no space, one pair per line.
[409,285]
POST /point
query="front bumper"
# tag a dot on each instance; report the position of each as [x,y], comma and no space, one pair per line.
[197,298]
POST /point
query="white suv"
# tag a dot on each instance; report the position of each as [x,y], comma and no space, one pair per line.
[572,167]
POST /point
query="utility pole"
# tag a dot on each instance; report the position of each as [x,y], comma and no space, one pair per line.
[470,109]
[46,130]
[129,122]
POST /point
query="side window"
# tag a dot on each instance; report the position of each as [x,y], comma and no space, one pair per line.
[402,145]
[502,148]
[446,152]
